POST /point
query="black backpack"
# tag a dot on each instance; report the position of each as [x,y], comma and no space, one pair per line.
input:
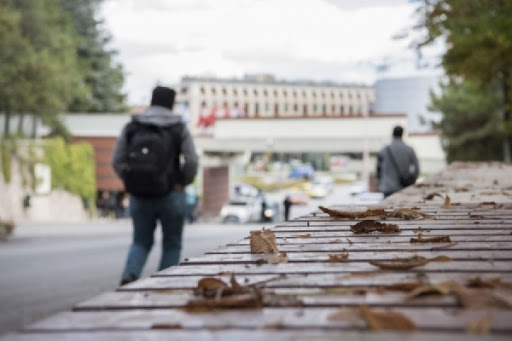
[153,158]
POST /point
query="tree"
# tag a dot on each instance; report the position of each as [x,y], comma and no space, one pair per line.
[471,123]
[39,71]
[478,35]
[103,77]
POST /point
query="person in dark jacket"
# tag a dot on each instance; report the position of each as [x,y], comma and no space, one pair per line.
[395,159]
[169,209]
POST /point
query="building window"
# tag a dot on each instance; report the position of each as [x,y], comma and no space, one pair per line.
[265,94]
[255,93]
[224,92]
[341,95]
[275,93]
[235,93]
[245,92]
[286,107]
[256,109]
[213,91]
[201,90]
[324,109]
[342,109]
[314,95]
[305,109]
[304,94]
[294,94]
[333,109]
[267,107]
[276,109]
[332,95]
[295,108]
[350,110]
[285,93]
[314,108]
[323,94]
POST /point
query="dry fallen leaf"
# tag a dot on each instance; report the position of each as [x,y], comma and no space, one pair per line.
[401,263]
[428,289]
[480,326]
[305,236]
[478,298]
[492,283]
[388,320]
[438,239]
[441,258]
[408,214]
[251,300]
[431,196]
[263,241]
[353,214]
[338,257]
[447,202]
[347,315]
[368,226]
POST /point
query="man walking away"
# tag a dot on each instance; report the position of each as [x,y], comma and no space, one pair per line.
[147,158]
[397,165]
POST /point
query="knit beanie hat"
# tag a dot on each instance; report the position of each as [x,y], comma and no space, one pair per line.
[163,97]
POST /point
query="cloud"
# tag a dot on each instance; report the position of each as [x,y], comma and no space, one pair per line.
[162,40]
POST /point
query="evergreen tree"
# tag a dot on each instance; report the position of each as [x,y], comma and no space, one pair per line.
[478,35]
[39,64]
[103,77]
[471,123]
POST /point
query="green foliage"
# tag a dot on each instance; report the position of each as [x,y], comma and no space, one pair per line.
[73,168]
[471,122]
[103,78]
[5,159]
[478,36]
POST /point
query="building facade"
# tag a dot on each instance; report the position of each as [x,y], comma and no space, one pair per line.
[202,101]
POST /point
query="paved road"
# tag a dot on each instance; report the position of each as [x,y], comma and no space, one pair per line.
[49,268]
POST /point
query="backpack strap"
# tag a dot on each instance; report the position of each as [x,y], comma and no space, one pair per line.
[393,161]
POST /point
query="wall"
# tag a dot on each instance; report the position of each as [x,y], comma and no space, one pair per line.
[57,206]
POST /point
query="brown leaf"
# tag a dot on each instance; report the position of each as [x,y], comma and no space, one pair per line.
[280,258]
[441,258]
[210,286]
[438,239]
[480,326]
[338,257]
[491,283]
[408,214]
[353,214]
[348,315]
[388,320]
[251,300]
[401,264]
[305,236]
[431,196]
[263,241]
[447,202]
[428,289]
[403,286]
[478,298]
[367,226]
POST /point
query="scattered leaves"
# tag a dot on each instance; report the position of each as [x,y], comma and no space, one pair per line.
[388,320]
[401,263]
[353,214]
[368,226]
[263,241]
[437,239]
[478,298]
[305,236]
[447,202]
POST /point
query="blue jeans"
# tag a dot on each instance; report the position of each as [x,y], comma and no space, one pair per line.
[145,212]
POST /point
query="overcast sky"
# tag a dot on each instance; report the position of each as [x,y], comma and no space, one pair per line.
[344,41]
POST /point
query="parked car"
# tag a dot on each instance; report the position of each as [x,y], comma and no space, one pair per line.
[320,187]
[241,210]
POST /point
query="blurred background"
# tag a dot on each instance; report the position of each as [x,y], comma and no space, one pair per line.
[283,99]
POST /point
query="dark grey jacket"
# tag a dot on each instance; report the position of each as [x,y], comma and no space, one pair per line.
[406,160]
[162,117]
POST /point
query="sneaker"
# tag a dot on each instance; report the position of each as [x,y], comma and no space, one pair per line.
[127,279]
